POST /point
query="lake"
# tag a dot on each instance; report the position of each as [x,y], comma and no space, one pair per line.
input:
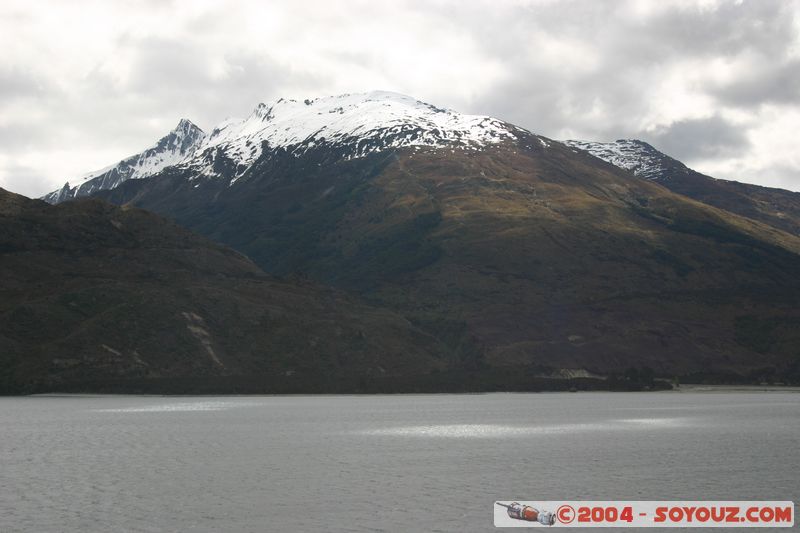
[379,463]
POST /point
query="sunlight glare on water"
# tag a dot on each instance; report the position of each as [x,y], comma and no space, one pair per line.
[179,407]
[462,431]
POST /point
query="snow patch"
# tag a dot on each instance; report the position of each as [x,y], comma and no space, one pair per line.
[632,155]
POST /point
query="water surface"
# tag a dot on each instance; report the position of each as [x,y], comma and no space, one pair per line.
[378,463]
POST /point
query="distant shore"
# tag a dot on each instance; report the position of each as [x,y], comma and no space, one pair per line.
[488,381]
[687,388]
[736,388]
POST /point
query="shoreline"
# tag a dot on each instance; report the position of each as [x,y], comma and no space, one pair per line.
[689,387]
[683,389]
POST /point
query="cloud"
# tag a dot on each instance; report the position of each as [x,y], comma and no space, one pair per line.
[85,83]
[764,83]
[719,29]
[19,83]
[699,138]
[781,176]
[22,179]
[165,70]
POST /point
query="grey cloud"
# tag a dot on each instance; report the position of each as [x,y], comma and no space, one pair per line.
[18,135]
[23,180]
[764,26]
[700,138]
[768,83]
[161,65]
[782,176]
[17,83]
[170,77]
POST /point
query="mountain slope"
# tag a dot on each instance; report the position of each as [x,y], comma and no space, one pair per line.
[99,298]
[519,253]
[171,149]
[778,207]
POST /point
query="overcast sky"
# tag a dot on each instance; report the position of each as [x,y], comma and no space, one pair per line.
[715,84]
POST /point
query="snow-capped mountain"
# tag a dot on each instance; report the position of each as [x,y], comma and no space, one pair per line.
[631,154]
[354,124]
[171,149]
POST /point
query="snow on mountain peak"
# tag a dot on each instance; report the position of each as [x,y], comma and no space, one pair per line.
[357,123]
[630,154]
[170,150]
[353,124]
[185,124]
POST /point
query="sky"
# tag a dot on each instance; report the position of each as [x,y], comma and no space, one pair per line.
[715,84]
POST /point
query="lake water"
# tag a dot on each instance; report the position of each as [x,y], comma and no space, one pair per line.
[378,463]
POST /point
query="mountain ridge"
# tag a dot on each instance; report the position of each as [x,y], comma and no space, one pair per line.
[169,150]
[777,207]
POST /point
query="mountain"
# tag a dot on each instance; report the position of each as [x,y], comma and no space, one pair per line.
[524,256]
[777,207]
[171,149]
[99,298]
[354,125]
